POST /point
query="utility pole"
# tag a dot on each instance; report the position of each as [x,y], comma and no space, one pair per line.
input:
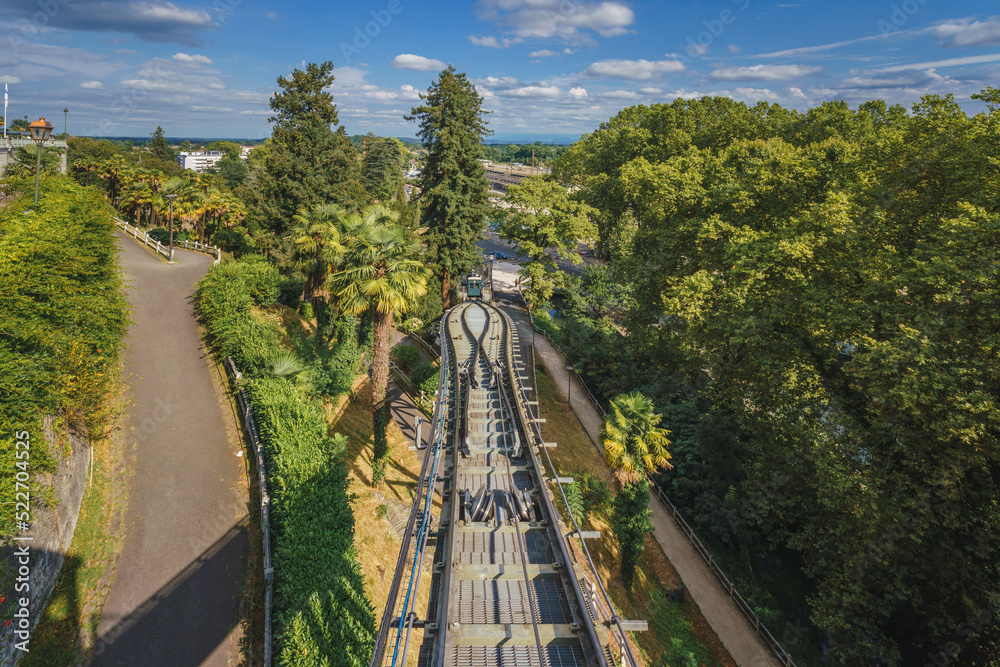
[532,161]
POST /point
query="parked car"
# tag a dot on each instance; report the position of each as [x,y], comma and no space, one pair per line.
[500,255]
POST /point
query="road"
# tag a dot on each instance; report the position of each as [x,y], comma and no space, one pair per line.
[174,597]
[494,244]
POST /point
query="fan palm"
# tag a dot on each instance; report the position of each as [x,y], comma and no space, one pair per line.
[634,443]
[317,245]
[634,446]
[380,272]
[25,160]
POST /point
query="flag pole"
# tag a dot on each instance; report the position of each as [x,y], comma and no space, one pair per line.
[5,114]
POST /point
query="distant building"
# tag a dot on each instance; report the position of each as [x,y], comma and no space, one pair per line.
[246,151]
[199,161]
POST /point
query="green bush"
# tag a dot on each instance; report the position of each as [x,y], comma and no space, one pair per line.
[63,316]
[163,235]
[406,355]
[322,616]
[426,377]
[290,292]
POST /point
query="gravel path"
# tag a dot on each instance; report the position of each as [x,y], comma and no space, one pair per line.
[174,597]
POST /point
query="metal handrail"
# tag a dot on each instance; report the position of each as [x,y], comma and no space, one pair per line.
[762,631]
[522,402]
[250,424]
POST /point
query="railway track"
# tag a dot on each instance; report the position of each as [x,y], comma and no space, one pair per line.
[503,590]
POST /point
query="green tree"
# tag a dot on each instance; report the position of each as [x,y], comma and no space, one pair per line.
[26,158]
[232,149]
[317,235]
[455,190]
[381,273]
[542,216]
[634,446]
[311,160]
[158,146]
[383,167]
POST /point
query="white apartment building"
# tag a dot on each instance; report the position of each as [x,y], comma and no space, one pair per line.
[199,161]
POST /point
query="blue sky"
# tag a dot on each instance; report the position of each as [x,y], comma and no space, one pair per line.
[546,68]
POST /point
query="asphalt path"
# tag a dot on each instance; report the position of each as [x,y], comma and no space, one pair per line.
[493,244]
[174,597]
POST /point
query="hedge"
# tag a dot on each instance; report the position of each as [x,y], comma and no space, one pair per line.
[322,617]
[63,315]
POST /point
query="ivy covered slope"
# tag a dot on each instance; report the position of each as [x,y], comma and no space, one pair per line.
[63,316]
[322,616]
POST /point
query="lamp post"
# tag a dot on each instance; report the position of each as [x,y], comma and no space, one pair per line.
[66,122]
[171,199]
[569,386]
[40,130]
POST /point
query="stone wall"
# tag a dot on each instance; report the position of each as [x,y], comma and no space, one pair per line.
[7,152]
[51,528]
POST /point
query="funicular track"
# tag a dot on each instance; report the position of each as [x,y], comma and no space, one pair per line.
[503,590]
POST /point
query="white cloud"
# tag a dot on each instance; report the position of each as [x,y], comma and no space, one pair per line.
[541,92]
[764,73]
[758,93]
[950,62]
[543,53]
[632,69]
[733,48]
[196,58]
[10,79]
[796,92]
[578,92]
[619,95]
[650,91]
[967,32]
[566,19]
[492,42]
[92,85]
[417,63]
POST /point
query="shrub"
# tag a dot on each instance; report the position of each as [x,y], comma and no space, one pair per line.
[425,377]
[320,608]
[406,355]
[290,292]
[163,235]
[321,614]
[63,315]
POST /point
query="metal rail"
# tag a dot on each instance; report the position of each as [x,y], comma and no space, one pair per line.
[504,590]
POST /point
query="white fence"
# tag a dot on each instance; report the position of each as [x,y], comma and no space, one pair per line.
[156,246]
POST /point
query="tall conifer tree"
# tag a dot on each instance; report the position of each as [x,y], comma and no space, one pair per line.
[455,189]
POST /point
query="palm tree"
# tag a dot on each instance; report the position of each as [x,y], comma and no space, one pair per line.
[380,272]
[25,157]
[317,239]
[634,446]
[634,443]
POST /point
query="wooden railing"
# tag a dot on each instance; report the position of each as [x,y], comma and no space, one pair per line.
[158,247]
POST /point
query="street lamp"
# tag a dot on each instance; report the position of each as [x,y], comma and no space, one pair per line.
[40,130]
[171,199]
[66,122]
[569,386]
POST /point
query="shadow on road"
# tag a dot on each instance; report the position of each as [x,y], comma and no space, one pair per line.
[138,639]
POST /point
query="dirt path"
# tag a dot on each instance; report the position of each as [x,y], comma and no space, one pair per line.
[174,598]
[734,631]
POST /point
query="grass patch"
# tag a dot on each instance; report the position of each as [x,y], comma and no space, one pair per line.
[378,512]
[68,626]
[657,593]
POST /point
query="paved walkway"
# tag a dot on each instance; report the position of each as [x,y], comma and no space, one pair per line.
[733,629]
[175,592]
